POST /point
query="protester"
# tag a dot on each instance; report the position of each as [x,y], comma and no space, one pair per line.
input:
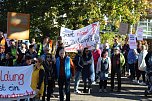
[12,49]
[103,69]
[28,60]
[59,46]
[33,42]
[8,61]
[106,47]
[46,51]
[23,48]
[32,53]
[2,54]
[139,44]
[78,67]
[125,50]
[148,60]
[132,60]
[116,44]
[88,70]
[46,44]
[50,73]
[37,82]
[146,45]
[142,64]
[117,62]
[96,54]
[3,42]
[64,68]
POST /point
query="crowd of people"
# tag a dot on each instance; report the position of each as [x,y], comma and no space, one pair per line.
[91,65]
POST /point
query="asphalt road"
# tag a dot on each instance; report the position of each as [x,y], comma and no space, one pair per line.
[130,92]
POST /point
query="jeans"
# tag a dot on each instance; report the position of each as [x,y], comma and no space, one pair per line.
[77,80]
[61,83]
[132,71]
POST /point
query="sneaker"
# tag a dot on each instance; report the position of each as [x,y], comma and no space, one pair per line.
[134,81]
[77,92]
[89,91]
[100,90]
[105,90]
[142,83]
[93,82]
[52,96]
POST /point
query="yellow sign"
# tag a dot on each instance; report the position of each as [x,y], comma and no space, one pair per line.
[18,25]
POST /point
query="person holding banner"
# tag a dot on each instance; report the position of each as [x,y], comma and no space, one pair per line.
[64,69]
[88,69]
[37,82]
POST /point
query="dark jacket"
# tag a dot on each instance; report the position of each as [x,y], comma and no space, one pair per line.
[8,62]
[78,61]
[148,60]
[50,71]
[117,67]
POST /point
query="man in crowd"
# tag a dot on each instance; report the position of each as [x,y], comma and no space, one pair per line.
[117,61]
[64,68]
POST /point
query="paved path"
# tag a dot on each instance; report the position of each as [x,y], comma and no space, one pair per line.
[130,92]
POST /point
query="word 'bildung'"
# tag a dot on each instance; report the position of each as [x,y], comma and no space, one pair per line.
[7,76]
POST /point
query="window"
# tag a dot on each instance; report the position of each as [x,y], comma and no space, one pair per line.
[147,26]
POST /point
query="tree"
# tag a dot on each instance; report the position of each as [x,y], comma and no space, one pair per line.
[47,16]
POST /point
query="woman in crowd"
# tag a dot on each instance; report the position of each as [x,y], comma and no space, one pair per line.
[46,44]
[142,64]
[88,69]
[49,66]
[79,66]
[37,83]
[103,68]
[132,60]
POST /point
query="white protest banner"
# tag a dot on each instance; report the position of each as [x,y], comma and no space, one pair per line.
[123,29]
[15,81]
[78,39]
[139,33]
[132,41]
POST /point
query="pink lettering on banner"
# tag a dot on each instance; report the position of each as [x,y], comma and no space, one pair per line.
[82,32]
[5,77]
[13,95]
[93,28]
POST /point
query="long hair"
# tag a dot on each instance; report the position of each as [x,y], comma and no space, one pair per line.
[102,54]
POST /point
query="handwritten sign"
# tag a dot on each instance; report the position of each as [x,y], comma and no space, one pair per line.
[123,29]
[15,81]
[132,41]
[18,25]
[78,39]
[139,33]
